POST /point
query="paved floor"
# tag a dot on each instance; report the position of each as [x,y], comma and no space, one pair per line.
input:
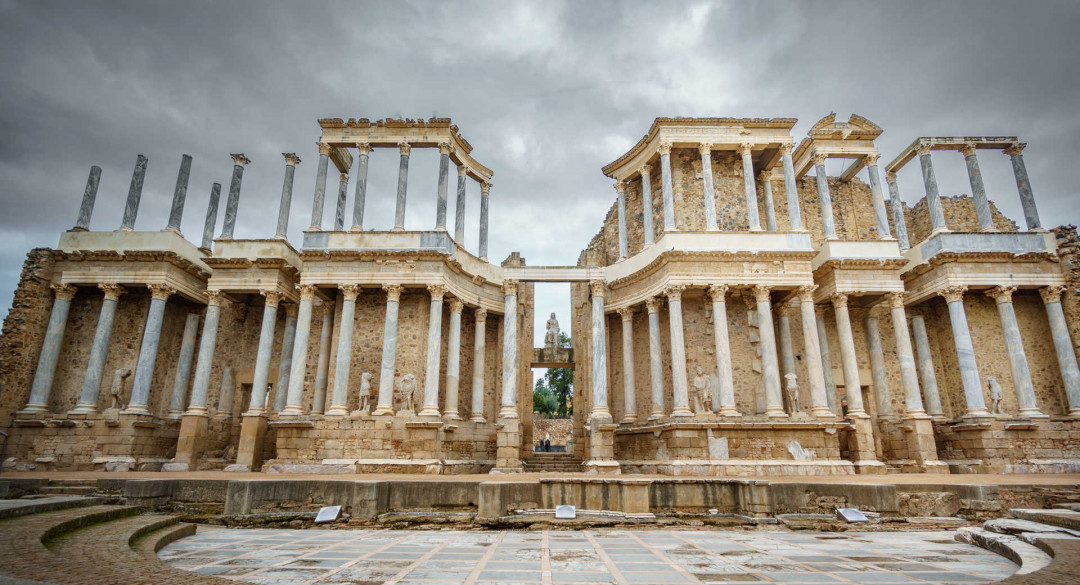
[376,557]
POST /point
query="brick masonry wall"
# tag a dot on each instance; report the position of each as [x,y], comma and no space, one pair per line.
[24,329]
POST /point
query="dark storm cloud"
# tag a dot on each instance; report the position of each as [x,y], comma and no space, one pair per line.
[546,92]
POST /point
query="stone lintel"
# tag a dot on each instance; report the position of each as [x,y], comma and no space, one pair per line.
[956,143]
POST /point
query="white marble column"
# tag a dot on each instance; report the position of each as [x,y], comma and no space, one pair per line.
[824,197]
[897,212]
[705,149]
[724,393]
[176,211]
[207,348]
[232,204]
[850,362]
[752,215]
[965,351]
[629,397]
[978,190]
[770,367]
[620,189]
[680,399]
[281,387]
[144,369]
[294,401]
[225,394]
[318,201]
[479,351]
[178,401]
[770,209]
[211,219]
[485,195]
[599,388]
[787,353]
[453,361]
[322,370]
[826,362]
[791,190]
[260,378]
[1059,331]
[819,399]
[1014,347]
[667,189]
[402,187]
[646,206]
[881,215]
[444,178]
[1023,186]
[434,352]
[508,402]
[86,210]
[50,350]
[933,200]
[291,160]
[342,195]
[134,196]
[343,360]
[909,377]
[459,207]
[927,377]
[656,363]
[95,367]
[877,365]
[385,404]
[363,150]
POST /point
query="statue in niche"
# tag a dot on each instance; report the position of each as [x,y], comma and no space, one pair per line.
[116,392]
[792,387]
[551,338]
[365,392]
[995,395]
[702,392]
[407,389]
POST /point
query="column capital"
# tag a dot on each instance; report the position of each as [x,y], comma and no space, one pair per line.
[393,292]
[818,158]
[437,291]
[718,292]
[923,148]
[674,292]
[896,300]
[806,293]
[485,188]
[445,148]
[481,315]
[705,149]
[1051,294]
[785,149]
[510,287]
[344,177]
[324,148]
[968,149]
[404,148]
[620,187]
[1014,149]
[291,159]
[1001,294]
[652,304]
[953,294]
[597,288]
[664,148]
[761,292]
[215,298]
[349,291]
[456,306]
[627,313]
[64,291]
[363,147]
[239,159]
[890,177]
[273,297]
[307,291]
[462,171]
[112,290]
[872,159]
[643,170]
[160,291]
[839,300]
[745,148]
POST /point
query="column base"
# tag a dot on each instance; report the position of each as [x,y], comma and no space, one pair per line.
[430,411]
[337,411]
[1032,413]
[84,409]
[136,410]
[174,414]
[383,411]
[398,228]
[729,411]
[656,415]
[291,411]
[942,230]
[832,238]
[192,440]
[478,419]
[252,435]
[682,412]
[508,412]
[451,415]
[978,413]
[33,409]
[629,419]
[775,413]
[822,412]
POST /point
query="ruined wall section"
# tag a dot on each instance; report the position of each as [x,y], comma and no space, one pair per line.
[959,217]
[24,329]
[1068,248]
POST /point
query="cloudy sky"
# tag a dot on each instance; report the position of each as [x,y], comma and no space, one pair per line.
[546,92]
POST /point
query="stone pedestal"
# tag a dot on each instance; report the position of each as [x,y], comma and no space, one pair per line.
[921,445]
[602,448]
[252,434]
[192,440]
[862,446]
[508,446]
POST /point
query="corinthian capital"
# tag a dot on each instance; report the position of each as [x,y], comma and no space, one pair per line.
[404,148]
[510,287]
[652,304]
[620,187]
[112,290]
[437,291]
[160,291]
[307,291]
[291,159]
[1051,294]
[64,292]
[922,148]
[718,292]
[890,177]
[761,293]
[462,171]
[627,313]
[1001,294]
[968,149]
[393,292]
[806,293]
[818,158]
[643,170]
[273,297]
[324,148]
[349,291]
[363,148]
[896,300]
[953,294]
[597,287]
[1015,149]
[785,149]
[481,315]
[705,149]
[872,159]
[240,159]
[674,292]
[215,298]
[456,305]
[839,300]
[745,148]
[664,148]
[445,148]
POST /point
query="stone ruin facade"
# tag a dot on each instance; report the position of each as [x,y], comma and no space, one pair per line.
[739,313]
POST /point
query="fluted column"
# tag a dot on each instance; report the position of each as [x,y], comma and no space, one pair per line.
[897,212]
[41,388]
[927,377]
[177,403]
[131,206]
[1023,186]
[322,370]
[877,365]
[144,369]
[909,377]
[787,353]
[207,346]
[656,363]
[770,367]
[211,219]
[485,193]
[91,387]
[402,187]
[176,211]
[444,171]
[705,149]
[1014,347]
[680,384]
[978,190]
[294,401]
[791,190]
[965,351]
[281,387]
[86,209]
[933,200]
[620,188]
[453,361]
[263,355]
[385,405]
[232,204]
[459,207]
[318,201]
[1059,331]
[881,215]
[343,362]
[508,402]
[749,188]
[770,209]
[434,351]
[667,189]
[646,205]
[342,195]
[600,408]
[724,392]
[479,352]
[819,399]
[850,362]
[291,160]
[826,362]
[629,398]
[824,197]
[363,149]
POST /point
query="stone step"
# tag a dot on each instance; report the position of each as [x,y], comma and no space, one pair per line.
[24,507]
[68,490]
[73,482]
[1061,518]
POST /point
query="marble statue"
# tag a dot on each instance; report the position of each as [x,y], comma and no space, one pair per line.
[551,338]
[702,392]
[792,387]
[407,388]
[116,392]
[995,395]
[365,391]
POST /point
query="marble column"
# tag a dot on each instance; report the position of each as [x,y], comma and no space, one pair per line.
[927,377]
[770,368]
[791,190]
[600,408]
[933,200]
[877,365]
[646,206]
[897,212]
[207,347]
[318,201]
[724,393]
[225,395]
[342,194]
[363,149]
[385,404]
[459,207]
[680,391]
[909,377]
[620,189]
[291,160]
[453,361]
[281,387]
[176,211]
[339,402]
[211,219]
[262,357]
[434,351]
[144,368]
[131,207]
[629,398]
[485,193]
[881,214]
[826,362]
[656,363]
[850,362]
[402,187]
[444,171]
[178,401]
[749,188]
[824,197]
[479,351]
[233,202]
[82,224]
[322,370]
[295,398]
[1059,330]
[1014,347]
[705,149]
[50,350]
[819,398]
[667,189]
[770,209]
[508,404]
[965,351]
[91,387]
[1023,186]
[978,190]
[787,353]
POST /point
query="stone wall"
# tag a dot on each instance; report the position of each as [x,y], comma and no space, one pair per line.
[560,429]
[24,328]
[959,217]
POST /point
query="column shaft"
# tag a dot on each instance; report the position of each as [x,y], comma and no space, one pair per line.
[620,188]
[933,200]
[281,388]
[385,405]
[881,215]
[599,355]
[708,192]
[225,395]
[774,402]
[41,388]
[646,205]
[453,361]
[144,368]
[479,352]
[927,377]
[131,207]
[819,399]
[877,366]
[826,363]
[434,352]
[294,401]
[850,362]
[360,194]
[825,198]
[322,370]
[787,354]
[680,391]
[629,398]
[485,190]
[343,362]
[402,188]
[656,363]
[459,208]
[178,401]
[211,219]
[318,201]
[791,190]
[232,204]
[724,397]
[262,357]
[342,195]
[1014,347]
[978,191]
[965,352]
[898,212]
[909,377]
[285,206]
[86,210]
[176,211]
[207,345]
[1023,186]
[770,209]
[440,202]
[1059,330]
[752,215]
[91,387]
[667,190]
[508,404]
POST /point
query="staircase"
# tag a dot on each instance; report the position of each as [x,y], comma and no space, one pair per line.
[69,487]
[549,462]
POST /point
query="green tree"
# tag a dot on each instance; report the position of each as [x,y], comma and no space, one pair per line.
[558,383]
[544,401]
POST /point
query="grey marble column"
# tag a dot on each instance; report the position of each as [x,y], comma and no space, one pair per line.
[385,404]
[666,188]
[339,403]
[646,205]
[225,394]
[850,362]
[724,393]
[363,149]
[787,354]
[453,361]
[342,195]
[877,366]
[41,388]
[1023,186]
[1059,331]
[402,187]
[82,224]
[434,351]
[233,202]
[824,197]
[620,189]
[819,399]
[656,361]
[459,207]
[708,192]
[144,368]
[933,200]
[750,189]
[288,340]
[91,387]
[680,385]
[444,179]
[211,219]
[927,377]
[178,402]
[508,403]
[318,201]
[791,190]
[965,351]
[131,207]
[770,367]
[770,209]
[629,397]
[322,370]
[207,347]
[909,377]
[485,193]
[897,212]
[262,357]
[978,190]
[881,215]
[176,212]
[599,389]
[295,398]
[826,362]
[291,160]
[1014,347]
[479,351]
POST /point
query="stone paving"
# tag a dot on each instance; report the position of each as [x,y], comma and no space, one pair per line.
[640,557]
